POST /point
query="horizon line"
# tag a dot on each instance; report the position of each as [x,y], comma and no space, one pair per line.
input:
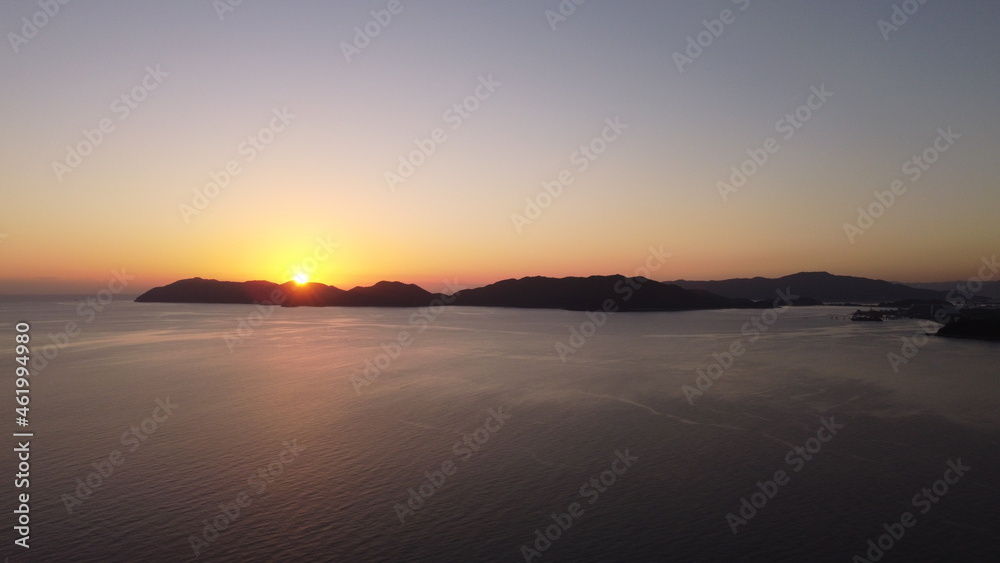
[141,291]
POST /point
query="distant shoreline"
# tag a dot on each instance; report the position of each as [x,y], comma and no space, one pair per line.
[593,293]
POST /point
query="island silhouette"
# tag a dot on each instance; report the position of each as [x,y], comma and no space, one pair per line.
[616,293]
[591,293]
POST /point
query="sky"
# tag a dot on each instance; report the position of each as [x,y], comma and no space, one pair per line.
[413,140]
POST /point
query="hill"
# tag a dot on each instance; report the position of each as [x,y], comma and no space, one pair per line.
[289,294]
[823,286]
[592,293]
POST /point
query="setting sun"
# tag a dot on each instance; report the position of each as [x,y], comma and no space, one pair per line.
[301,278]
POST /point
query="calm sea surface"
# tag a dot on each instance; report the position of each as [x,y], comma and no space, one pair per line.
[266,443]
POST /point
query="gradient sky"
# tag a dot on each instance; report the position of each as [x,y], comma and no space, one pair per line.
[323,176]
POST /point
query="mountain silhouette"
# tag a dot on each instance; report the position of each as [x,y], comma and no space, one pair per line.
[575,293]
[288,294]
[198,290]
[594,293]
[823,286]
[388,294]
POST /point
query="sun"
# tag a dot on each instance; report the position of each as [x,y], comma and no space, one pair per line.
[301,278]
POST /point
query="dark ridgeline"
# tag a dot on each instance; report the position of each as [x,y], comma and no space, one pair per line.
[592,293]
[198,290]
[289,294]
[595,293]
[823,286]
[989,289]
[387,294]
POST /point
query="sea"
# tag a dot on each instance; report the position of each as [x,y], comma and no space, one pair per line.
[179,432]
